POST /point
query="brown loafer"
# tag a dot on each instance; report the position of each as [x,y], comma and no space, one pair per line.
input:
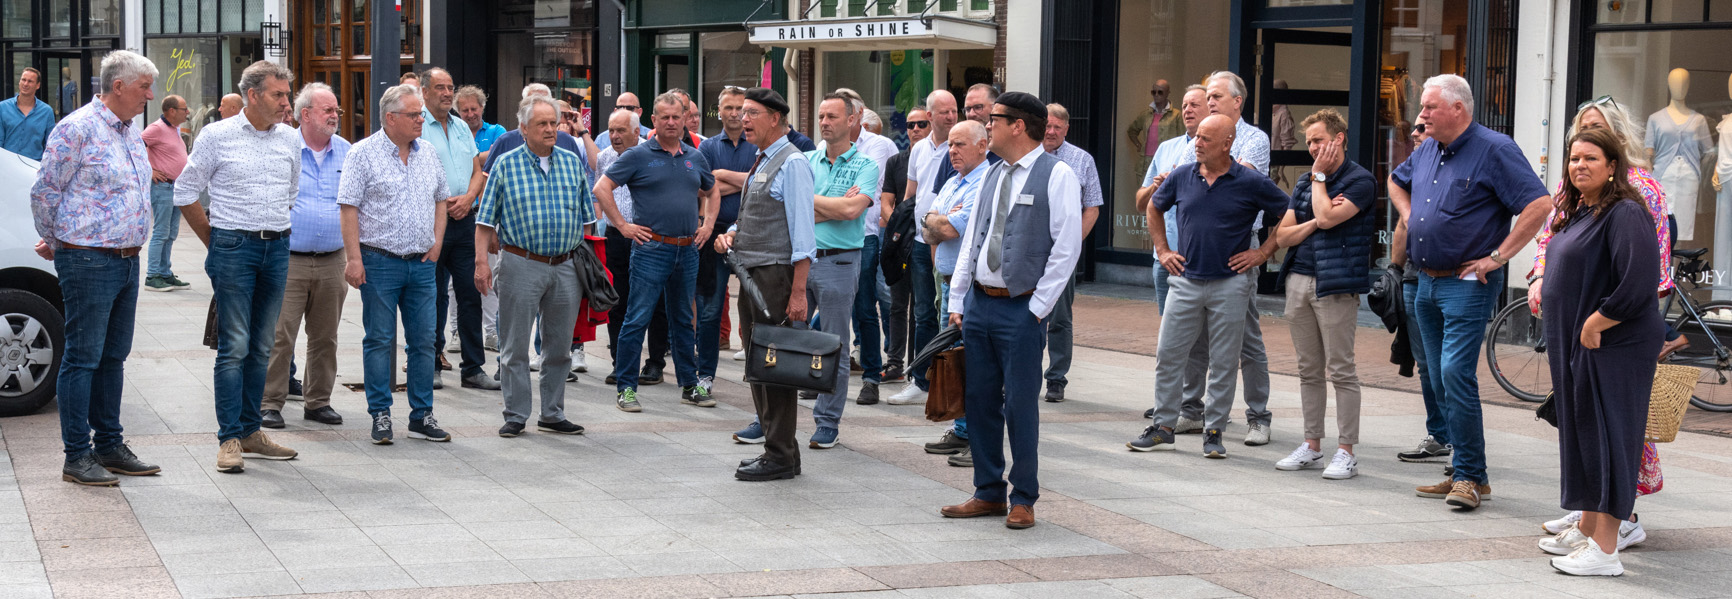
[1021,516]
[974,508]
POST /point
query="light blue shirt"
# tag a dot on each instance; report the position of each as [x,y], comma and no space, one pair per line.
[956,202]
[793,187]
[25,134]
[1167,158]
[455,145]
[315,218]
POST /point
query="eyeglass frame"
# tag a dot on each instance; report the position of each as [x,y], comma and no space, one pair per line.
[1600,101]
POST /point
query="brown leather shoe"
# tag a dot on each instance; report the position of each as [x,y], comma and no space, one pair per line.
[974,508]
[1021,516]
[262,446]
[1672,347]
[1463,495]
[1442,489]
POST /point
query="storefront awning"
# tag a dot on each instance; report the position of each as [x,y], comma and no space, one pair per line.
[892,33]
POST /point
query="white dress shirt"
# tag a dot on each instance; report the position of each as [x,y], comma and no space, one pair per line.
[1064,216]
[923,168]
[880,149]
[252,176]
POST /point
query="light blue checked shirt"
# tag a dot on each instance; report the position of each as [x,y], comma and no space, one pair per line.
[316,220]
[540,211]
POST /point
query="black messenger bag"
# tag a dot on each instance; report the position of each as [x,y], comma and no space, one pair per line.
[785,356]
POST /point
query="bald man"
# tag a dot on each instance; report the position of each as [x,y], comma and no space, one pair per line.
[167,152]
[230,106]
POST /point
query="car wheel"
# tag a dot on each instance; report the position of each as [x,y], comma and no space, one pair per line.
[31,344]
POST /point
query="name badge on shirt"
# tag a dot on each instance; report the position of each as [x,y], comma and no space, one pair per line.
[761,178]
[1025,199]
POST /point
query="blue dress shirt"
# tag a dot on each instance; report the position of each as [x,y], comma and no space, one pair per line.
[315,218]
[1464,195]
[25,135]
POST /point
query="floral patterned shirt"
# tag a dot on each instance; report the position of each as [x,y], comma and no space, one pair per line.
[1652,195]
[93,188]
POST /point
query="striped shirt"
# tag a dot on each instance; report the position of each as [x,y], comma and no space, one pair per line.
[540,211]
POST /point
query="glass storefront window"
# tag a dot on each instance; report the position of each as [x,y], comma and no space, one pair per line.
[525,14]
[891,82]
[1181,42]
[192,69]
[563,60]
[1687,136]
[726,58]
[17,18]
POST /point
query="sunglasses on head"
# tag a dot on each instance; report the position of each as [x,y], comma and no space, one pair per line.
[1600,101]
[919,124]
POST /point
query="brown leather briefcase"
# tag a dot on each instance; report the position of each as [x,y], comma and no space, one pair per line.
[946,388]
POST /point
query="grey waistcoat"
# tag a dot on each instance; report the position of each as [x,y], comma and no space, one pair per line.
[763,237]
[1028,230]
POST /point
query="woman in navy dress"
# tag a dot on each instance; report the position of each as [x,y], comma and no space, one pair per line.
[1604,332]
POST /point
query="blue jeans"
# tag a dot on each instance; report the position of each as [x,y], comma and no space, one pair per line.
[710,309]
[1452,315]
[923,294]
[100,294]
[249,275]
[165,230]
[1005,343]
[866,309]
[393,285]
[1161,287]
[1435,424]
[670,273]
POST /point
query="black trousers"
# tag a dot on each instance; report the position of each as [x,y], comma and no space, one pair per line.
[457,271]
[778,407]
[619,263]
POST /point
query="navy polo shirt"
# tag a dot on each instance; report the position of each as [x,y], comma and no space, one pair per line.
[1464,195]
[513,139]
[1215,220]
[800,141]
[1350,180]
[724,154]
[664,187]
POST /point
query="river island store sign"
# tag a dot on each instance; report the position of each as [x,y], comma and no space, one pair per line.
[869,34]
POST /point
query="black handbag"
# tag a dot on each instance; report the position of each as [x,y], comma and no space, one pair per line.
[785,356]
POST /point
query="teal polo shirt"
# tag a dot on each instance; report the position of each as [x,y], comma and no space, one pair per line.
[832,179]
[456,148]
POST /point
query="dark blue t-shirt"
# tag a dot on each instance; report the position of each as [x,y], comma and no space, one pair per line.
[724,154]
[1215,220]
[664,187]
[1350,180]
[1464,195]
[511,140]
[800,141]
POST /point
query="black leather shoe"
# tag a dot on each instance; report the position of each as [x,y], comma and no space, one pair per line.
[611,380]
[85,470]
[121,460]
[271,418]
[511,429]
[481,381]
[325,415]
[764,469]
[650,375]
[295,387]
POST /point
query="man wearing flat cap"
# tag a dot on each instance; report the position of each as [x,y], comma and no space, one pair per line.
[775,241]
[1021,247]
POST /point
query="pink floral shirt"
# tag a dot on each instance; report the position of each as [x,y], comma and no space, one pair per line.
[1644,182]
[93,188]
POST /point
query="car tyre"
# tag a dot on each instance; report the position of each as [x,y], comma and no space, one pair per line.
[32,342]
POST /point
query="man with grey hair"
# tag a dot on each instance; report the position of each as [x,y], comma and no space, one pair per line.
[872,122]
[91,205]
[314,290]
[1058,326]
[1473,181]
[167,158]
[535,207]
[461,159]
[251,168]
[394,198]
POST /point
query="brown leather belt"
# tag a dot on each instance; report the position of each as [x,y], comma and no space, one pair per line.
[122,252]
[548,260]
[1440,274]
[679,241]
[998,291]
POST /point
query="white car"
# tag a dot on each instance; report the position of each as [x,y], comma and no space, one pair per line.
[31,312]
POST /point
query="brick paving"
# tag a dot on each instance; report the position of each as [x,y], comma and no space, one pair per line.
[644,505]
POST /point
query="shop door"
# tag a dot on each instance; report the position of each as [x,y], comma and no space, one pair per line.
[672,70]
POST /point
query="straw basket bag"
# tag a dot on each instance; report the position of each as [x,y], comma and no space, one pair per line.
[1673,385]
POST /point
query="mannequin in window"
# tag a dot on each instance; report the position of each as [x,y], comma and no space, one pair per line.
[1678,137]
[1722,181]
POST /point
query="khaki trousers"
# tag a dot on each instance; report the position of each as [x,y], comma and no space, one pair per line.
[1323,329]
[315,291]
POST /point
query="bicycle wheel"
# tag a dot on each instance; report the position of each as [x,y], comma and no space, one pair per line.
[1515,350]
[1714,388]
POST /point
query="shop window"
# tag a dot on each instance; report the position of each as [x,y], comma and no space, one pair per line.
[16,17]
[564,61]
[189,67]
[727,59]
[527,14]
[891,82]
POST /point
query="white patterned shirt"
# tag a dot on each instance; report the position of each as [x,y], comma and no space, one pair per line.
[1083,164]
[621,193]
[397,201]
[252,176]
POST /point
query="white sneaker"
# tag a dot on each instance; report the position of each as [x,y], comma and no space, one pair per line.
[1301,458]
[1631,534]
[579,363]
[740,356]
[535,363]
[1186,426]
[1258,435]
[911,395]
[1562,524]
[1589,560]
[1342,467]
[1565,542]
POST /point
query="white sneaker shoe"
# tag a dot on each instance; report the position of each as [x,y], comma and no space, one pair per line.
[535,363]
[1631,534]
[579,362]
[911,395]
[1562,524]
[1186,426]
[1258,435]
[740,356]
[1342,467]
[1589,560]
[1300,459]
[1564,543]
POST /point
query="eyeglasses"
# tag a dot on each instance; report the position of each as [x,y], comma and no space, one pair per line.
[1602,100]
[752,113]
[919,124]
[415,116]
[1007,118]
[631,107]
[975,107]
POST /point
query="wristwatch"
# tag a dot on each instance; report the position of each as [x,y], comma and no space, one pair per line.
[1498,258]
[1319,177]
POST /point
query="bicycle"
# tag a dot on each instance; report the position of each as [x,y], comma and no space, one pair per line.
[1515,345]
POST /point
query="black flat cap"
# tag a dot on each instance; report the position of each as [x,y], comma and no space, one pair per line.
[1023,101]
[769,98]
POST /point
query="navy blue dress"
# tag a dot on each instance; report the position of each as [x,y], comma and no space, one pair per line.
[1606,264]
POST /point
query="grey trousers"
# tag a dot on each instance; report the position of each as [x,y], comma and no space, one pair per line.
[830,287]
[525,288]
[1058,337]
[1253,366]
[1209,314]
